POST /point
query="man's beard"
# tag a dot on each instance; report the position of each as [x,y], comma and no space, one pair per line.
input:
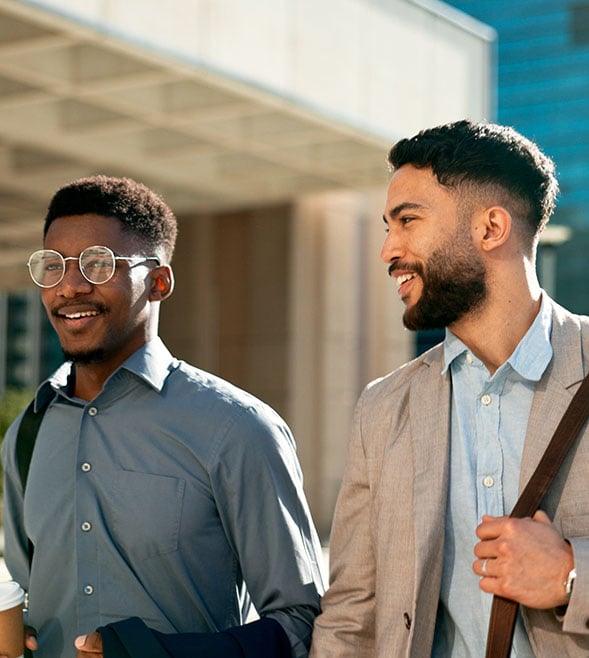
[85,358]
[454,284]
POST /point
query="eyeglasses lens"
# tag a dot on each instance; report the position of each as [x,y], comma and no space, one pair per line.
[47,267]
[97,264]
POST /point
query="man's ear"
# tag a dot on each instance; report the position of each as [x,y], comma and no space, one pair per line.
[495,224]
[162,283]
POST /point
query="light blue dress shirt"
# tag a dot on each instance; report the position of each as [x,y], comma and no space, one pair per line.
[173,496]
[488,427]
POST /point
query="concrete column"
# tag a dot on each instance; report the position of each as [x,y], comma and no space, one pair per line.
[189,318]
[342,331]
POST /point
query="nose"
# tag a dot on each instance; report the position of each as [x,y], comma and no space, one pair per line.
[73,282]
[390,248]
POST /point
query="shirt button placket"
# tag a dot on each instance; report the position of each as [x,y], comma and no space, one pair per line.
[87,544]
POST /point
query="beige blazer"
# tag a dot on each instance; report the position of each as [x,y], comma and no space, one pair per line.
[388,534]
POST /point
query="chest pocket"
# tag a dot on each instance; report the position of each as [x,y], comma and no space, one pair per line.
[146,513]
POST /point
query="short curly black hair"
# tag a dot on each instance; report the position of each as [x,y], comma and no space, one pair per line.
[486,155]
[139,208]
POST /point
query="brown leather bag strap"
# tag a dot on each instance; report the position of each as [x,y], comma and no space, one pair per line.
[504,611]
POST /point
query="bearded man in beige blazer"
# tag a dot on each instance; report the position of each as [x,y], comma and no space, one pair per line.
[441,447]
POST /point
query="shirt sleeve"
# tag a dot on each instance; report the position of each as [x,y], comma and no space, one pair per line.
[15,540]
[257,484]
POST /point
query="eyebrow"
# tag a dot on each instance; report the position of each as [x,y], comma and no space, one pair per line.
[397,210]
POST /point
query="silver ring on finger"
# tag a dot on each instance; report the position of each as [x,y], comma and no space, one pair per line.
[484,567]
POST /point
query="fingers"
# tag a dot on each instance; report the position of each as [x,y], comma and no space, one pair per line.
[31,642]
[491,526]
[31,638]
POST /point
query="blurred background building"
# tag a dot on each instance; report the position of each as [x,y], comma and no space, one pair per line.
[543,91]
[265,125]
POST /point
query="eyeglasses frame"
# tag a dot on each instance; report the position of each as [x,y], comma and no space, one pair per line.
[132,260]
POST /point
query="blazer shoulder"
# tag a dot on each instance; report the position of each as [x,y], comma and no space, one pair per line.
[570,338]
[429,363]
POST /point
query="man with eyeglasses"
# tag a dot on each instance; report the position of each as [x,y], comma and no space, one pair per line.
[155,491]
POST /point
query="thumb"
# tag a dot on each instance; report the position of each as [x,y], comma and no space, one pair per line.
[91,642]
[542,517]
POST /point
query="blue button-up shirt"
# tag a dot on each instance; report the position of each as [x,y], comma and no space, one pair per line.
[488,427]
[172,496]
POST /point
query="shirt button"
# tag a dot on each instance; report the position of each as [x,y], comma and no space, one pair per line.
[488,481]
[86,467]
[86,526]
[469,358]
[88,590]
[486,400]
[92,411]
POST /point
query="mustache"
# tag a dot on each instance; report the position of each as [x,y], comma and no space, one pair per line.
[406,267]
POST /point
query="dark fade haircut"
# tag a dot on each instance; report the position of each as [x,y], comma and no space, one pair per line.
[140,209]
[479,156]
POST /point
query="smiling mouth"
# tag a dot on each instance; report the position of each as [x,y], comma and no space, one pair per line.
[76,316]
[404,278]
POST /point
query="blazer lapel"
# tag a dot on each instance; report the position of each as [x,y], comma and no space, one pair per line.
[554,391]
[430,423]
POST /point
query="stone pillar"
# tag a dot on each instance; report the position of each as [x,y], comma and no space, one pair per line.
[345,331]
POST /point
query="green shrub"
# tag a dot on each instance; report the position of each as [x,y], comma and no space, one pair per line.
[11,404]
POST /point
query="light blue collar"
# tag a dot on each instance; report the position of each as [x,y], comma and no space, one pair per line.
[531,356]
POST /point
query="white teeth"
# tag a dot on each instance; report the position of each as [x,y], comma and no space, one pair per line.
[77,316]
[404,277]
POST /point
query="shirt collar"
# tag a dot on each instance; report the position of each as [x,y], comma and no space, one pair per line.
[532,354]
[152,362]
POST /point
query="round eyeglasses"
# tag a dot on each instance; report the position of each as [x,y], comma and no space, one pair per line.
[97,264]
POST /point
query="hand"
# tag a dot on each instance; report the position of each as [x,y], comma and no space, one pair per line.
[88,646]
[31,638]
[525,560]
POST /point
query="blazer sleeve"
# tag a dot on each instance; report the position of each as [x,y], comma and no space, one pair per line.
[131,638]
[576,618]
[345,627]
